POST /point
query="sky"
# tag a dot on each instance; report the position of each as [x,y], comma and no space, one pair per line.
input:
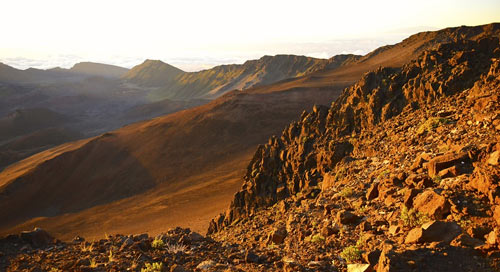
[194,35]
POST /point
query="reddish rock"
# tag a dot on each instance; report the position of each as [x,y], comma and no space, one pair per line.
[444,161]
[493,158]
[432,204]
[496,214]
[449,172]
[434,231]
[277,236]
[464,240]
[346,217]
[328,181]
[485,180]
[372,192]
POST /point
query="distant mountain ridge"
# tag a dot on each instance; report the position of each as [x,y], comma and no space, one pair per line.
[77,72]
[173,83]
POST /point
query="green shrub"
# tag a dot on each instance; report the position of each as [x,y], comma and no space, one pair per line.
[157,243]
[432,123]
[154,267]
[412,218]
[318,238]
[351,254]
[347,192]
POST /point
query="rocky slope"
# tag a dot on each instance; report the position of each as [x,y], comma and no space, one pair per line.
[407,157]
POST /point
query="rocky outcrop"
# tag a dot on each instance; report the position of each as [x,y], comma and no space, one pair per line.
[309,149]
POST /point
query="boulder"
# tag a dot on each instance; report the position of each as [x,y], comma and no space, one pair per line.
[444,161]
[434,231]
[346,217]
[37,237]
[277,236]
[432,204]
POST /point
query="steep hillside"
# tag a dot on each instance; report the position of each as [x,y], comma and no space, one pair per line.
[400,173]
[408,156]
[147,167]
[152,73]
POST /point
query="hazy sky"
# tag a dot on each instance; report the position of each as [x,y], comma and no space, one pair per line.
[199,34]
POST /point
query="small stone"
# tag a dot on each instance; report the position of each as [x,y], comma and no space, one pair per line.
[205,265]
[372,192]
[359,268]
[493,158]
[394,229]
[251,257]
[492,237]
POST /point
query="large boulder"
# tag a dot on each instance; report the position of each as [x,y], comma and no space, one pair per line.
[431,204]
[37,237]
[434,231]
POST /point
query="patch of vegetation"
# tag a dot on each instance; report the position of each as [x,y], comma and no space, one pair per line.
[340,174]
[157,243]
[412,218]
[437,179]
[174,248]
[93,263]
[317,238]
[154,267]
[361,241]
[351,254]
[347,192]
[384,173]
[432,123]
[111,257]
[304,139]
[84,247]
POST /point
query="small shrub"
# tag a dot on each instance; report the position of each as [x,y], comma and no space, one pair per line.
[157,243]
[111,257]
[412,218]
[351,254]
[93,263]
[384,173]
[154,267]
[340,174]
[432,123]
[347,192]
[361,241]
[437,179]
[318,238]
[174,248]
